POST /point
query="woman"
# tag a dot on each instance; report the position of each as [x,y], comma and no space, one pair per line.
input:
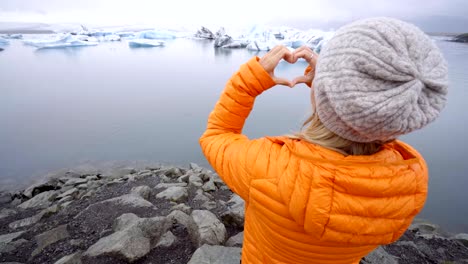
[344,185]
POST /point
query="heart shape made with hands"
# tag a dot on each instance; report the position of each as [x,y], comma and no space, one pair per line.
[271,60]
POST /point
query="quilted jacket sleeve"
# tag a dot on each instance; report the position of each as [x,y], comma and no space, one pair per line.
[235,158]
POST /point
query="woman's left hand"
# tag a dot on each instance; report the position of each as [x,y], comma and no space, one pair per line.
[311,57]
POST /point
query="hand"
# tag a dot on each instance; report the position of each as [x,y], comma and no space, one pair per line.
[311,57]
[270,60]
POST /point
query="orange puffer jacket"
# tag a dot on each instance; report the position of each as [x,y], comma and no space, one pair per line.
[306,203]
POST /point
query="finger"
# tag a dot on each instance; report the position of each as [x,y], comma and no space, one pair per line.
[282,81]
[270,60]
[307,55]
[302,79]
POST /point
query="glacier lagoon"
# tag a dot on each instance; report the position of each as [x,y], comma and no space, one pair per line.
[110,104]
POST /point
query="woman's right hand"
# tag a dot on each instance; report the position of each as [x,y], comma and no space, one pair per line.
[311,57]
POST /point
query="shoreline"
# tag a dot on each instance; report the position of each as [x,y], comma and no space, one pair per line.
[84,217]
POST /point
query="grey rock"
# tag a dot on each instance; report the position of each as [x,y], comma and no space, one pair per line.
[173,173]
[87,194]
[12,245]
[211,230]
[168,185]
[183,219]
[194,167]
[380,256]
[38,188]
[176,194]
[72,193]
[236,241]
[142,191]
[167,240]
[74,258]
[196,181]
[462,237]
[16,202]
[49,237]
[182,207]
[65,199]
[64,205]
[216,255]
[83,186]
[75,182]
[133,239]
[200,198]
[234,216]
[4,213]
[77,242]
[184,178]
[92,178]
[209,186]
[209,205]
[130,199]
[26,221]
[42,200]
[6,239]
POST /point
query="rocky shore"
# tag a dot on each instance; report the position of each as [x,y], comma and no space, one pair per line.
[161,214]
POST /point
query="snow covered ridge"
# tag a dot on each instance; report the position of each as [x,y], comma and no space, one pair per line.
[258,38]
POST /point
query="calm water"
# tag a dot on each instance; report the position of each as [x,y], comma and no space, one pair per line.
[63,108]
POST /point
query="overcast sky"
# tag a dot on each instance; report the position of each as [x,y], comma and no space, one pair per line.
[432,15]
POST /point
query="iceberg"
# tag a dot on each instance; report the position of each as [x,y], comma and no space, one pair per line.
[204,33]
[4,42]
[157,34]
[145,43]
[112,37]
[64,41]
[13,36]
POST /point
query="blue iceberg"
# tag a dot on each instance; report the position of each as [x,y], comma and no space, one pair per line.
[13,36]
[145,43]
[157,34]
[64,41]
[4,42]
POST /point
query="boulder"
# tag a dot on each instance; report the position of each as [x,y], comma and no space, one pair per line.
[236,241]
[42,200]
[7,239]
[235,213]
[216,255]
[142,191]
[50,237]
[180,218]
[6,213]
[133,238]
[175,194]
[211,230]
[167,240]
[74,258]
[379,256]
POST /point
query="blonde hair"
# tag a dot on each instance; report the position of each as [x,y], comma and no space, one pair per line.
[317,133]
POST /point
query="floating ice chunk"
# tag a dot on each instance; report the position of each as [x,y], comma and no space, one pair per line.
[64,41]
[125,34]
[41,42]
[261,45]
[4,42]
[145,43]
[157,34]
[238,44]
[112,38]
[74,43]
[13,36]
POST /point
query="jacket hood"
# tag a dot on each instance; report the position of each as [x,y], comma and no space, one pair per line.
[354,199]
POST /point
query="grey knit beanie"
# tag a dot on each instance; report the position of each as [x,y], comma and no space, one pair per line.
[379,78]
